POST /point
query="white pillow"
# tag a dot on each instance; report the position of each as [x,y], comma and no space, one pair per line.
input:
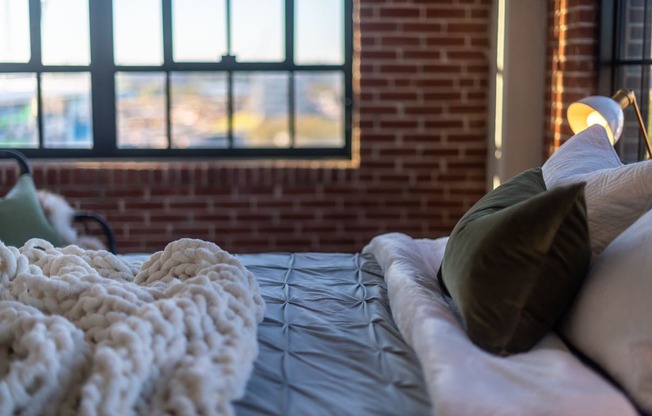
[611,320]
[616,194]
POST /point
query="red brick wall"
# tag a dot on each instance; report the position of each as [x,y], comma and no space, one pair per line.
[572,63]
[422,132]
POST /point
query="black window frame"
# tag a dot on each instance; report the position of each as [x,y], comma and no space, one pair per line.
[102,70]
[613,63]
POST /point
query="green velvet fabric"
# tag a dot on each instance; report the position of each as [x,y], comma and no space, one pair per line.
[22,218]
[515,261]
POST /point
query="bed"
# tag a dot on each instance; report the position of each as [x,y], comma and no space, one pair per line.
[195,330]
[331,344]
[292,334]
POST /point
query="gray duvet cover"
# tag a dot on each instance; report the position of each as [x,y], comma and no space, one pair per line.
[328,343]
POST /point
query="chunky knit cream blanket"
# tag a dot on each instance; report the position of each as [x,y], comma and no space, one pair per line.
[87,333]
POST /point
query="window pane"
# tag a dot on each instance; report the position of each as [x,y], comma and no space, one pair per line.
[260,107]
[67,121]
[141,110]
[319,120]
[199,30]
[18,110]
[199,110]
[14,31]
[258,29]
[632,30]
[319,35]
[137,32]
[629,145]
[65,33]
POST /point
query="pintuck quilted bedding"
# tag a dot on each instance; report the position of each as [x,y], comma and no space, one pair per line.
[328,344]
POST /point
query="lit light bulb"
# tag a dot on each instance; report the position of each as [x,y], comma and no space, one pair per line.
[595,118]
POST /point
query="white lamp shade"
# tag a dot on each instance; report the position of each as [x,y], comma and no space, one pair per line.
[597,110]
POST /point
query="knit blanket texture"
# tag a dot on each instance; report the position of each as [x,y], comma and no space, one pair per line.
[85,332]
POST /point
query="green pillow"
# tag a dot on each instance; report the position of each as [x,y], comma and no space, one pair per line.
[515,261]
[22,218]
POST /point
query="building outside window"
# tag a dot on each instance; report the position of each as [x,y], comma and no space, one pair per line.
[158,78]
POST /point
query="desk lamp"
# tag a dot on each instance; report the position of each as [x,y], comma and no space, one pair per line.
[607,112]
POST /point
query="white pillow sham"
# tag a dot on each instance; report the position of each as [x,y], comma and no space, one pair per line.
[616,194]
[610,319]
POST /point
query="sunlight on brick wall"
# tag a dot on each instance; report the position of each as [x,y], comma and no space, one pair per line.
[572,71]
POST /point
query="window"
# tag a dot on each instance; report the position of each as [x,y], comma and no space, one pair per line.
[626,62]
[176,78]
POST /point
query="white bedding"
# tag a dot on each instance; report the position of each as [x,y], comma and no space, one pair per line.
[86,333]
[463,379]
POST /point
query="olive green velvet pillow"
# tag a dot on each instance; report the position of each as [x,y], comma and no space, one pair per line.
[515,261]
[22,218]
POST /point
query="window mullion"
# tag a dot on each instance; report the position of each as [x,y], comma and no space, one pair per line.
[289,60]
[228,28]
[348,74]
[292,109]
[168,106]
[229,76]
[289,32]
[166,9]
[646,30]
[229,92]
[36,62]
[39,106]
[103,78]
[35,32]
[644,93]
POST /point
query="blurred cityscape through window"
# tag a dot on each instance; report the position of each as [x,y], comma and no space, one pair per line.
[203,74]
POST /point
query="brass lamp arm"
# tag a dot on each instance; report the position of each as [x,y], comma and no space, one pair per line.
[625,97]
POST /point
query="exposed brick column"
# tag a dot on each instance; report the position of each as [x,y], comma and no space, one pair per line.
[572,63]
